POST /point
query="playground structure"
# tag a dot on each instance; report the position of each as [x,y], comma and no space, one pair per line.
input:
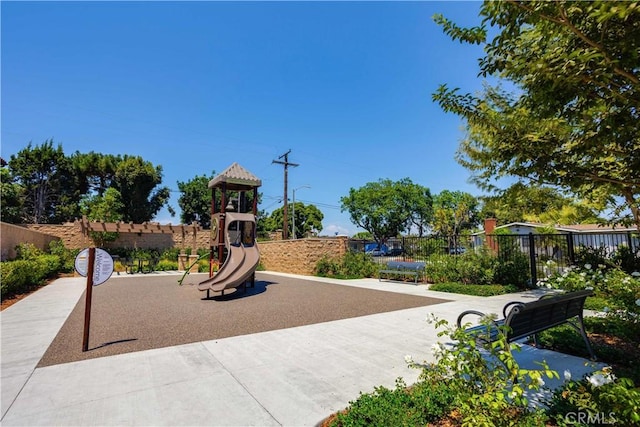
[233,230]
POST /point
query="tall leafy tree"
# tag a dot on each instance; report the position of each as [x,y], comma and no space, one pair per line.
[96,171]
[137,181]
[308,219]
[535,203]
[453,212]
[195,200]
[572,119]
[362,235]
[384,208]
[419,202]
[10,198]
[50,185]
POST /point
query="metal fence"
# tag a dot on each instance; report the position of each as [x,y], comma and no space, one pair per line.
[546,253]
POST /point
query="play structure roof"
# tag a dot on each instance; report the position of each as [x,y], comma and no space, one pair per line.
[236,177]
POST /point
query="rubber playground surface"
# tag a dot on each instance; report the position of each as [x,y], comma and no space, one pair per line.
[146,312]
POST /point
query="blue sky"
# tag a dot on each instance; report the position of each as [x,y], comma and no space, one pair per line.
[196,86]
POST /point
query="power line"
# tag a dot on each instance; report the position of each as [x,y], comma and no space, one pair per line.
[286,164]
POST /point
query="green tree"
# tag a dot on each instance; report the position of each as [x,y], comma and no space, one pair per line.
[572,119]
[534,203]
[383,208]
[50,185]
[195,200]
[362,235]
[96,171]
[136,180]
[453,212]
[10,198]
[308,219]
[107,207]
[419,202]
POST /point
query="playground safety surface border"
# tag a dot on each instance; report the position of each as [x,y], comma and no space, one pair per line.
[145,312]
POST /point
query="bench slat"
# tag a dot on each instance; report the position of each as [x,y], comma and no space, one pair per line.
[526,319]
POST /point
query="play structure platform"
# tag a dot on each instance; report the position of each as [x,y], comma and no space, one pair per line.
[233,230]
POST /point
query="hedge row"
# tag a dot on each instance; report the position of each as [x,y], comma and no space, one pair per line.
[23,275]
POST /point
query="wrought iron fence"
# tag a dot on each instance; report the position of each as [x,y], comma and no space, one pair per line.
[546,253]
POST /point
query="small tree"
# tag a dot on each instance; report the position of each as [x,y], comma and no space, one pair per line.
[108,208]
[195,200]
[308,219]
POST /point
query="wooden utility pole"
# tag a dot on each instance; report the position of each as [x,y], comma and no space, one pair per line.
[286,163]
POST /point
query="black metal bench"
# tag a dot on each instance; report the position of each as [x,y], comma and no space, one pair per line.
[527,319]
[402,268]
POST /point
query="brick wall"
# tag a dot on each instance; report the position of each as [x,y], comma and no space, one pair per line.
[287,256]
[299,256]
[71,235]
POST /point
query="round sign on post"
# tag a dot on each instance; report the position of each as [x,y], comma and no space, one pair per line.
[102,266]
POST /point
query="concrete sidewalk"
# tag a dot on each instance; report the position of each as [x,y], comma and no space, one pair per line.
[290,377]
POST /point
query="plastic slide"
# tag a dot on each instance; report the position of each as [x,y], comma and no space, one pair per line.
[242,261]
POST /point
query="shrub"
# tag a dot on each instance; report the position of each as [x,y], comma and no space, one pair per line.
[23,275]
[599,396]
[442,268]
[67,256]
[358,265]
[47,265]
[327,267]
[477,290]
[513,271]
[488,383]
[477,267]
[27,251]
[170,254]
[353,265]
[418,405]
[620,290]
[203,266]
[17,277]
[166,265]
[626,259]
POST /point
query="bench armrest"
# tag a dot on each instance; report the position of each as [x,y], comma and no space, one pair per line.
[507,305]
[464,313]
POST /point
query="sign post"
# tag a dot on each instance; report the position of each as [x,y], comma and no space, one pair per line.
[97,266]
[87,303]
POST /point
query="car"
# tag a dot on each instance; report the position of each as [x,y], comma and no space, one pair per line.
[377,252]
[374,250]
[395,252]
[457,250]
